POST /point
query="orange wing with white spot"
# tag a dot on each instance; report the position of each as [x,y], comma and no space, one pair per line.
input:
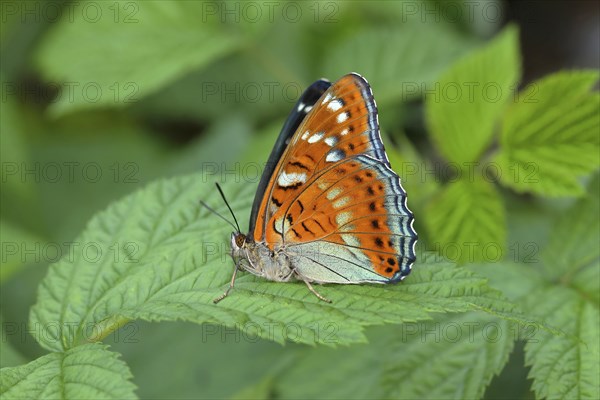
[333,200]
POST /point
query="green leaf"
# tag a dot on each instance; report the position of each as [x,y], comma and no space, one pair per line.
[550,135]
[85,372]
[565,294]
[159,255]
[352,372]
[466,221]
[564,367]
[453,357]
[400,62]
[263,80]
[464,107]
[573,243]
[138,47]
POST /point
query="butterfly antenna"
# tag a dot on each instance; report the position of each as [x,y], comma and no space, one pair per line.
[236,226]
[228,206]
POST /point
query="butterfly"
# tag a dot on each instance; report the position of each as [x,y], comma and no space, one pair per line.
[328,208]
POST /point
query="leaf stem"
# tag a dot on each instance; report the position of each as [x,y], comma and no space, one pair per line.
[104,328]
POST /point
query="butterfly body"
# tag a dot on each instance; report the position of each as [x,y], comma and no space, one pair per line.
[260,260]
[329,208]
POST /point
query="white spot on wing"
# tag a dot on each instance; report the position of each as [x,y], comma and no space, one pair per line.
[291,179]
[279,225]
[333,193]
[348,228]
[334,105]
[305,135]
[328,97]
[343,217]
[341,202]
[344,132]
[342,117]
[335,155]
[331,140]
[273,208]
[316,137]
[351,240]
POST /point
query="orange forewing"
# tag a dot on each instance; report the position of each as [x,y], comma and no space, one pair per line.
[341,127]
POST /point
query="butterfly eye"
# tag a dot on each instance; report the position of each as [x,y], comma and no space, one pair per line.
[240,240]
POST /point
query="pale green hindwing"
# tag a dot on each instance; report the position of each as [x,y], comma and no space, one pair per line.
[328,262]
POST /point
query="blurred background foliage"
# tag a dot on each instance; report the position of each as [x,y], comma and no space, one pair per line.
[113,95]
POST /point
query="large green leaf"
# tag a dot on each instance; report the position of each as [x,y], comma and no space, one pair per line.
[85,372]
[550,136]
[563,367]
[463,109]
[111,54]
[399,63]
[158,255]
[466,221]
[565,294]
[453,356]
[263,80]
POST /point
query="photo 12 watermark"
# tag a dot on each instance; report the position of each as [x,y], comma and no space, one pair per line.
[228,92]
[467,332]
[409,171]
[252,332]
[70,172]
[468,251]
[89,252]
[91,12]
[90,92]
[489,252]
[254,12]
[469,92]
[54,332]
[452,11]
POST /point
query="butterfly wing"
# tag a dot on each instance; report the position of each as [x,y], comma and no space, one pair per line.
[333,200]
[351,224]
[342,123]
[303,106]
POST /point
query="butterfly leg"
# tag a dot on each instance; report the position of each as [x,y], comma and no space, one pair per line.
[321,297]
[221,297]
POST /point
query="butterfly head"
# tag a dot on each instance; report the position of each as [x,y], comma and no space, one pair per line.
[238,240]
[238,246]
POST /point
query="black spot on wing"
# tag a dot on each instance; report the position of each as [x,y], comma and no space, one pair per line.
[276,202]
[299,165]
